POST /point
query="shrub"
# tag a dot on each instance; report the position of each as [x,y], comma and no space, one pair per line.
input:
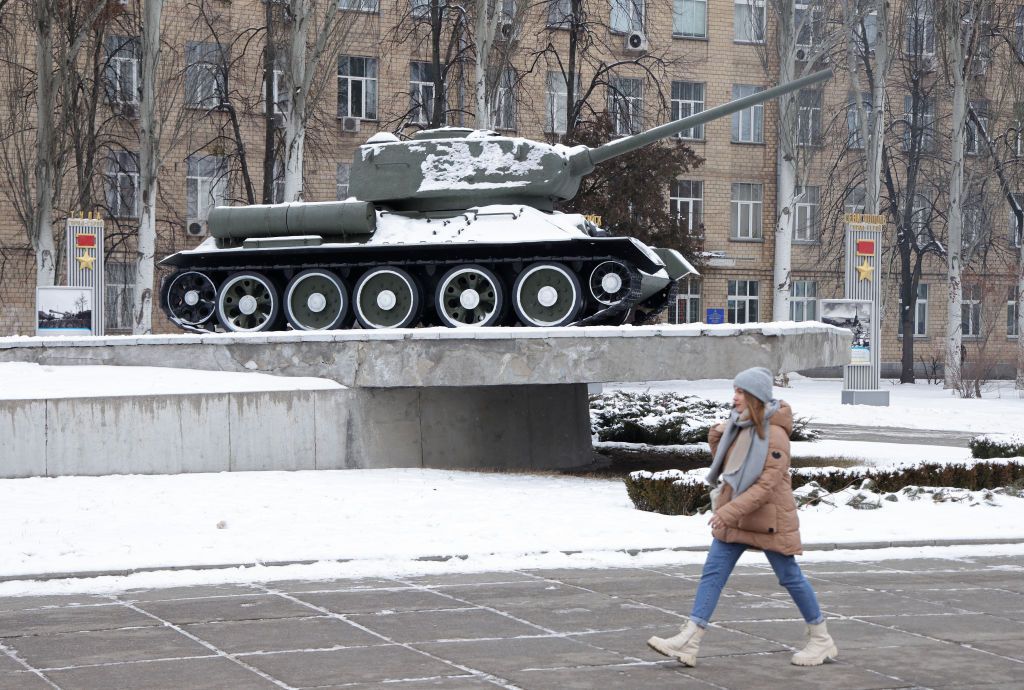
[663,419]
[685,493]
[997,446]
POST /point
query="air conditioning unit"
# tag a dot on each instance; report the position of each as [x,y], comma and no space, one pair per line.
[506,30]
[979,67]
[195,227]
[636,42]
[278,121]
[350,124]
[801,54]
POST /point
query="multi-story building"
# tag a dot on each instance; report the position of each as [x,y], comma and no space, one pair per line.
[646,62]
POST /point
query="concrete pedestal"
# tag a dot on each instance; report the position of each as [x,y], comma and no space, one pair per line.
[477,399]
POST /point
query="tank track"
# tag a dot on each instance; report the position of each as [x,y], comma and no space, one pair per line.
[614,314]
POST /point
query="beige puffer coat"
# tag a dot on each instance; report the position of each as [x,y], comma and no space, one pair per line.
[764,516]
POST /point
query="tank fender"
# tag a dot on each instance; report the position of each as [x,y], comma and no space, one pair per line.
[676,266]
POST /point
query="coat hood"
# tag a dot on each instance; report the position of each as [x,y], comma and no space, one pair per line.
[783,417]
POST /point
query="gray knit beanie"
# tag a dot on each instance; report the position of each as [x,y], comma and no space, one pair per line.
[757,381]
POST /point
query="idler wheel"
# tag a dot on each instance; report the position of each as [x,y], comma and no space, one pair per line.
[469,295]
[247,302]
[191,298]
[386,298]
[609,282]
[315,300]
[547,294]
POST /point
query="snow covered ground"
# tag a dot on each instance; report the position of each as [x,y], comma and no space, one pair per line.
[384,520]
[913,406]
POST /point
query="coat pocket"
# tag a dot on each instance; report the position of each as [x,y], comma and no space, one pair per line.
[762,521]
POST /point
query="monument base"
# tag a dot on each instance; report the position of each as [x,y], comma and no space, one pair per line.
[855,397]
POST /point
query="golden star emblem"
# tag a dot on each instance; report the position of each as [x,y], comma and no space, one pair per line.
[85,261]
[864,270]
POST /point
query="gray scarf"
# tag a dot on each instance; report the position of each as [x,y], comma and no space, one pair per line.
[748,472]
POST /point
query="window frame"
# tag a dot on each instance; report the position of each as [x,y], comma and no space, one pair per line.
[678,18]
[752,117]
[631,122]
[366,84]
[211,176]
[815,28]
[684,107]
[213,75]
[1012,312]
[357,6]
[342,179]
[632,12]
[505,101]
[689,297]
[803,295]
[810,209]
[971,311]
[808,117]
[693,205]
[920,314]
[115,176]
[755,6]
[753,209]
[118,294]
[920,15]
[734,299]
[117,60]
[421,94]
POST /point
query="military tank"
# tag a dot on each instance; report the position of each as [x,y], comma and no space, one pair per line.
[453,227]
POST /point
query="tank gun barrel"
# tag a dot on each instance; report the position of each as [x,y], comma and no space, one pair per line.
[584,161]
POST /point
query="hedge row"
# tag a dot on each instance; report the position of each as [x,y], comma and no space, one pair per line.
[997,446]
[664,419]
[677,493]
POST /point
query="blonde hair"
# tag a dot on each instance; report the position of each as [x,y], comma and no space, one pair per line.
[755,408]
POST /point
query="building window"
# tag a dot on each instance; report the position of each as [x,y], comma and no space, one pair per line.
[205,185]
[627,15]
[357,87]
[748,21]
[688,99]
[741,305]
[973,227]
[854,139]
[687,306]
[122,185]
[856,201]
[747,202]
[689,18]
[867,31]
[803,300]
[809,22]
[920,28]
[748,125]
[359,5]
[686,202]
[970,312]
[420,9]
[808,214]
[277,190]
[920,123]
[920,313]
[555,103]
[341,177]
[560,13]
[626,103]
[282,101]
[118,287]
[808,118]
[1012,312]
[421,89]
[206,76]
[1018,27]
[122,69]
[503,115]
[921,219]
[1016,226]
[974,137]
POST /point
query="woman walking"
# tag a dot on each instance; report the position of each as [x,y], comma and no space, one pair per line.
[752,507]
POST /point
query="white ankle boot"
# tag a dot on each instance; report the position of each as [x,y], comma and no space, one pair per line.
[820,646]
[682,646]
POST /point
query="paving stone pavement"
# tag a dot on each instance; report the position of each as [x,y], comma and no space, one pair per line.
[899,624]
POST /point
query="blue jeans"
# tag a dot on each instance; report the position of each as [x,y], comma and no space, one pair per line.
[722,558]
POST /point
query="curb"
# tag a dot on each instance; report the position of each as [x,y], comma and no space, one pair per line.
[825,546]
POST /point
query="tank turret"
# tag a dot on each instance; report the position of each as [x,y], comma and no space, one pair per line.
[455,168]
[454,227]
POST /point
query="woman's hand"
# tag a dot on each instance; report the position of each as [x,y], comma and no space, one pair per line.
[716,522]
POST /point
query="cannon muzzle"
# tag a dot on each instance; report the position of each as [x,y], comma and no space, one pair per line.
[584,161]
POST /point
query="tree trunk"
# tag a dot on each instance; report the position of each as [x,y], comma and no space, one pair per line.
[43,241]
[269,98]
[957,60]
[786,167]
[487,15]
[149,169]
[295,126]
